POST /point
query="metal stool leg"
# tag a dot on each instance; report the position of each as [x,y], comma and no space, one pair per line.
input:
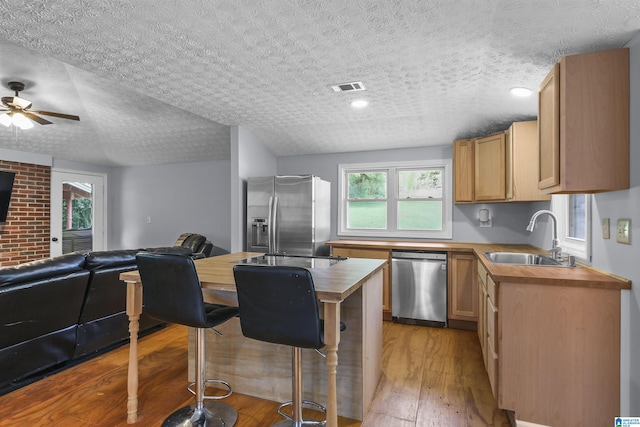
[211,414]
[297,402]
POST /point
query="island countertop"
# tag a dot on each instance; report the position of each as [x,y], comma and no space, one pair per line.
[334,283]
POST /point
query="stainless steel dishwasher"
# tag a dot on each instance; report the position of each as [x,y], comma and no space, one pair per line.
[419,287]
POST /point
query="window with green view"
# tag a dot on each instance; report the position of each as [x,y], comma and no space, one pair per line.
[367,200]
[403,199]
[420,199]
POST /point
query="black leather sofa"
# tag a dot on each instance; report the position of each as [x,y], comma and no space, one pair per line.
[58,311]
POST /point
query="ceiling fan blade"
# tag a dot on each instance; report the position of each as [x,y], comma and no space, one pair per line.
[16,101]
[59,115]
[35,118]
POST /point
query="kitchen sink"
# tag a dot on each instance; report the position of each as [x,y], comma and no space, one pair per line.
[518,258]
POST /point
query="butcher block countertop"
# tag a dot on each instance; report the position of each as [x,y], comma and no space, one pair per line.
[582,276]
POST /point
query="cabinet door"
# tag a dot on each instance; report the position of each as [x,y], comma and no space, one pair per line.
[522,162]
[386,272]
[463,291]
[463,164]
[549,129]
[490,168]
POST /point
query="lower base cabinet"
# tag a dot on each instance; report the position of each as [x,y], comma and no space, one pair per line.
[463,290]
[552,353]
[386,272]
[488,326]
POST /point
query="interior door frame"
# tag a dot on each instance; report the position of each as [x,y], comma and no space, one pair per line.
[99,222]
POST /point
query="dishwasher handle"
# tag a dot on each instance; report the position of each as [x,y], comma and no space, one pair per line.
[427,256]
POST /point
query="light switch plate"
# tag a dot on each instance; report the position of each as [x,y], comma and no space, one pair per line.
[623,231]
[606,228]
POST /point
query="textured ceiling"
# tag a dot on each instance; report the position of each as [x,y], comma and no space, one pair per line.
[158,82]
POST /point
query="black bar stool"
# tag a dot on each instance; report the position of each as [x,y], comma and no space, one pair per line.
[279,305]
[173,293]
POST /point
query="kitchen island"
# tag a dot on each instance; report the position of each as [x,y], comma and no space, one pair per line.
[349,291]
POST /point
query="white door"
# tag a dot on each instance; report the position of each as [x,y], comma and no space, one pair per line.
[78,212]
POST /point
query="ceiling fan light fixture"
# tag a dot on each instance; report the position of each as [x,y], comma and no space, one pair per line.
[19,113]
[5,120]
[21,121]
[16,119]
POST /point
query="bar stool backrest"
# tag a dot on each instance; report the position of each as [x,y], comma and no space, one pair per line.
[278,305]
[171,290]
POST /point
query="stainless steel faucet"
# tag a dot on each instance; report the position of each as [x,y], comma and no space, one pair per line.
[555,249]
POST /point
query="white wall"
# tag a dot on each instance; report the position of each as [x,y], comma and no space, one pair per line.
[621,259]
[24,157]
[509,220]
[179,198]
[248,158]
[79,167]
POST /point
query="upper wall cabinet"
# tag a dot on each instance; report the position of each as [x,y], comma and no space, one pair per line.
[499,167]
[583,119]
[463,162]
[521,144]
[490,167]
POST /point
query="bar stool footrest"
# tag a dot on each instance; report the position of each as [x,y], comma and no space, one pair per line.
[307,403]
[212,397]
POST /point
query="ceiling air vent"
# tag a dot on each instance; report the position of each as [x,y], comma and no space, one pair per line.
[348,87]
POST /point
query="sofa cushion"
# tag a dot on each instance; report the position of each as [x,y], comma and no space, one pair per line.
[172,250]
[102,259]
[39,307]
[194,242]
[42,269]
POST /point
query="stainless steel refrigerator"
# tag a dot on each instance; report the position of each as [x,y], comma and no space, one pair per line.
[288,214]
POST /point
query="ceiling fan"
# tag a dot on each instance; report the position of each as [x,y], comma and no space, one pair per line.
[17,110]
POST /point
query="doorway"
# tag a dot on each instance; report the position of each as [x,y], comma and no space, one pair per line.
[78,211]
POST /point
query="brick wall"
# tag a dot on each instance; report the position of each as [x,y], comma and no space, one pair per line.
[25,235]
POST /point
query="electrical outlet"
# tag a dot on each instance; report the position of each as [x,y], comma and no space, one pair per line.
[606,228]
[623,233]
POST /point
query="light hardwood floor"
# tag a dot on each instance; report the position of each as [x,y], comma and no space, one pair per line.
[431,377]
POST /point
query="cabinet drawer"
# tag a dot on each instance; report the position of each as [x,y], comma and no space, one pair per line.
[482,274]
[492,368]
[482,316]
[491,291]
[492,321]
[361,253]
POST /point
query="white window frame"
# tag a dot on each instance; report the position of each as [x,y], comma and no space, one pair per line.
[392,231]
[579,248]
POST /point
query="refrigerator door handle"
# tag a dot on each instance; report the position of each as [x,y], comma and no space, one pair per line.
[273,219]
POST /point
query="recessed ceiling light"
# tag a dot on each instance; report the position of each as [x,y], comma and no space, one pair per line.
[520,91]
[359,103]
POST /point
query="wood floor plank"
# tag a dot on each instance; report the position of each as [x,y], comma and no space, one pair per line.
[430,376]
[399,387]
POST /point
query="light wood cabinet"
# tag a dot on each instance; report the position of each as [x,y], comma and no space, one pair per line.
[583,119]
[552,353]
[488,326]
[482,310]
[489,168]
[521,146]
[463,170]
[492,347]
[498,168]
[386,271]
[463,290]
[559,353]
